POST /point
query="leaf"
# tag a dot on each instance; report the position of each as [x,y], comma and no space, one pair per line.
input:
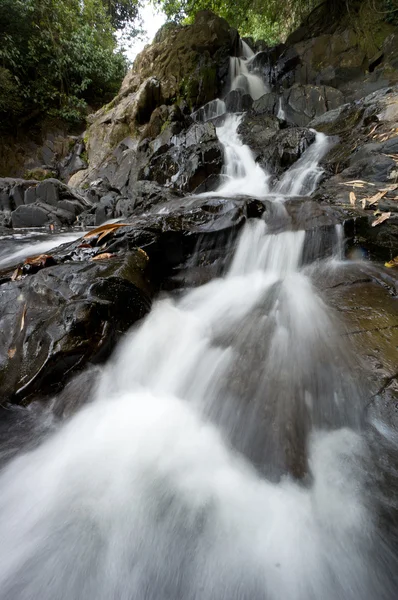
[11,352]
[23,318]
[353,198]
[357,183]
[376,197]
[84,246]
[17,274]
[144,253]
[390,188]
[381,219]
[110,227]
[103,256]
[392,263]
[38,261]
[363,203]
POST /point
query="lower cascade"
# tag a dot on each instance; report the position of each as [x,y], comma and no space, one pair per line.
[226,452]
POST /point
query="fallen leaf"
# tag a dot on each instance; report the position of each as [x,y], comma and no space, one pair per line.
[373,199]
[103,256]
[364,203]
[392,263]
[357,181]
[381,219]
[38,261]
[11,352]
[374,129]
[353,198]
[17,274]
[23,318]
[144,253]
[390,188]
[105,229]
[84,246]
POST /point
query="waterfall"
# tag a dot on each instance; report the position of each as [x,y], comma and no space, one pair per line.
[244,175]
[143,493]
[303,177]
[241,78]
[223,456]
[281,113]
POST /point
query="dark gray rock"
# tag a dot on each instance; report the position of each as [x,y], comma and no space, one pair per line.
[305,102]
[257,130]
[64,317]
[238,101]
[29,216]
[185,168]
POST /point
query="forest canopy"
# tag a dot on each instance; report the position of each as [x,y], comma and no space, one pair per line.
[58,56]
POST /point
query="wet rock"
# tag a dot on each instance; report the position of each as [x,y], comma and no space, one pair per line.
[256,130]
[188,62]
[185,168]
[34,204]
[285,148]
[276,64]
[238,101]
[301,103]
[64,317]
[305,102]
[266,104]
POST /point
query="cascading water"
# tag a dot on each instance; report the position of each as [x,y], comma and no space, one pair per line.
[302,178]
[223,456]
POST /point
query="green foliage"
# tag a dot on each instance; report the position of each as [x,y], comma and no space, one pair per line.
[57,56]
[271,20]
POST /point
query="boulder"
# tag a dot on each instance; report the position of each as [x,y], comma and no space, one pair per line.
[257,130]
[35,204]
[238,101]
[64,317]
[188,63]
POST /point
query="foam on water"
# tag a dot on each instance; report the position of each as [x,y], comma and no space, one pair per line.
[146,492]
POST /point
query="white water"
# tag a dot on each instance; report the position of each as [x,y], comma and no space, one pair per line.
[247,52]
[241,78]
[222,458]
[211,110]
[302,178]
[245,176]
[281,113]
[27,248]
[142,495]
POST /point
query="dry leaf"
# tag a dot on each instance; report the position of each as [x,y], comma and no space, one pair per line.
[357,181]
[390,188]
[392,263]
[381,219]
[103,256]
[84,246]
[11,352]
[364,203]
[39,261]
[105,229]
[374,129]
[23,318]
[376,197]
[17,274]
[144,253]
[353,198]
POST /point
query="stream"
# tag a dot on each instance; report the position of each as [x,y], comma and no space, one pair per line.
[225,454]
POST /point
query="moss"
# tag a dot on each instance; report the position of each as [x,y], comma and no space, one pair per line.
[39,174]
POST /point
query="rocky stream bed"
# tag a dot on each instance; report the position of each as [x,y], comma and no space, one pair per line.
[167,191]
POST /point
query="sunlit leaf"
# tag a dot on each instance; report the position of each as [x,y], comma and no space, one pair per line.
[383,217]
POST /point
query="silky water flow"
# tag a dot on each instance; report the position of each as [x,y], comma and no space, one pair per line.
[223,456]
